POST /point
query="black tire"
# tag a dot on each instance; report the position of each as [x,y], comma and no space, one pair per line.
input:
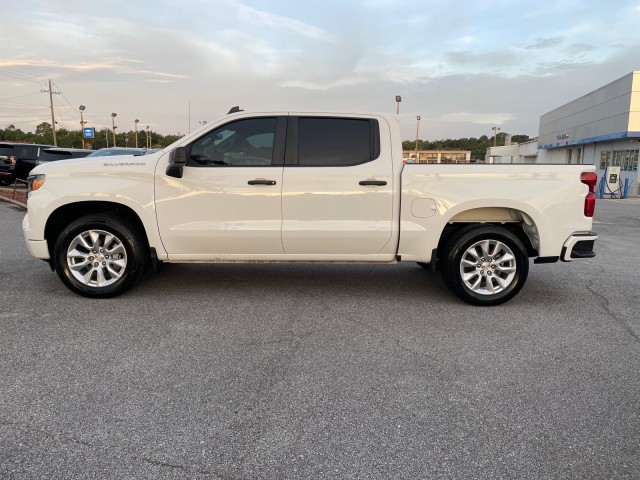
[491,280]
[6,183]
[116,262]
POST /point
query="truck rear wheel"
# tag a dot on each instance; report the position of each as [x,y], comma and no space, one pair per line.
[99,256]
[485,266]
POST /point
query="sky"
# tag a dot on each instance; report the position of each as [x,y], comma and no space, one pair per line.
[464,66]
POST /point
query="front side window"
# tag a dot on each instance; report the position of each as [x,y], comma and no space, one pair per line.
[244,143]
[336,141]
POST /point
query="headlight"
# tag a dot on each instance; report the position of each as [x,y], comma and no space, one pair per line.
[35,182]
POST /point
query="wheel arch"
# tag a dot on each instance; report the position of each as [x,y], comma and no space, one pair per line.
[515,220]
[62,216]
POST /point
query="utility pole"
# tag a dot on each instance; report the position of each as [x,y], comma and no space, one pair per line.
[495,135]
[113,127]
[417,131]
[136,125]
[82,122]
[53,117]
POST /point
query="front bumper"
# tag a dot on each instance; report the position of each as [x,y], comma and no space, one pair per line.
[37,248]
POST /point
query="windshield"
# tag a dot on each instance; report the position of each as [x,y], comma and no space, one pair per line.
[108,152]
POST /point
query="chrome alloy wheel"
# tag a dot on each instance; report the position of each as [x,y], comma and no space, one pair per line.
[488,267]
[96,258]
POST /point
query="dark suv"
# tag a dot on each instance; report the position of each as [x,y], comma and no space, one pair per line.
[22,156]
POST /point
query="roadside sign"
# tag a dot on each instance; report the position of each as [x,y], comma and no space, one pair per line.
[88,132]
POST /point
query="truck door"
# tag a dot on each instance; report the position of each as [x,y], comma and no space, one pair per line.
[228,199]
[337,194]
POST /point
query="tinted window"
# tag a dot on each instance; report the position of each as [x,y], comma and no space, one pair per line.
[336,141]
[47,156]
[7,150]
[243,143]
[26,152]
[108,152]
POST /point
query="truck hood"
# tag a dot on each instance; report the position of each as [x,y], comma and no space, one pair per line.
[92,165]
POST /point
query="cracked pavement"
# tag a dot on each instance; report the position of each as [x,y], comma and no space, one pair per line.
[323,371]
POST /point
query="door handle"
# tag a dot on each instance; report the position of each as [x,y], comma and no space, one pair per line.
[261,182]
[375,183]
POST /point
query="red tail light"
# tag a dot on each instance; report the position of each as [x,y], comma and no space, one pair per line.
[590,179]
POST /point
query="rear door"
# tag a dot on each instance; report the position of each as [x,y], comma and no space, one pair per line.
[337,193]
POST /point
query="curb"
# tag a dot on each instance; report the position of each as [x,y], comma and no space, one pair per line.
[15,202]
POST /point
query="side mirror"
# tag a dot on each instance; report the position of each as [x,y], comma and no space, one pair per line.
[177,160]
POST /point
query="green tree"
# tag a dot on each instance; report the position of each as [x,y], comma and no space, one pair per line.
[44,134]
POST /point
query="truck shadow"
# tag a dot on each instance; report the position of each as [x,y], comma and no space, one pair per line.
[394,281]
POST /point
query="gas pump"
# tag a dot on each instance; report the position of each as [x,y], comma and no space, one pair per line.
[613,182]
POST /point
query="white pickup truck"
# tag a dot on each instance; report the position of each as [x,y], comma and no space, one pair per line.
[305,187]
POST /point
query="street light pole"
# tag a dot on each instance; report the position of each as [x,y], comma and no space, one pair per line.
[148,138]
[417,131]
[136,124]
[113,127]
[398,100]
[82,107]
[495,134]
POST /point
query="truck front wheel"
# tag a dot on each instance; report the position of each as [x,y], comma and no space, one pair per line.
[485,266]
[99,256]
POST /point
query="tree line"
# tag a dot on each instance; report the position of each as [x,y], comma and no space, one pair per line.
[477,146]
[104,137]
[73,138]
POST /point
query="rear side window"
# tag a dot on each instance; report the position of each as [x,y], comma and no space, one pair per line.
[7,150]
[47,156]
[337,141]
[27,152]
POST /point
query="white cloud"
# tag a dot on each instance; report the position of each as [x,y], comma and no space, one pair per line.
[147,60]
[480,118]
[253,15]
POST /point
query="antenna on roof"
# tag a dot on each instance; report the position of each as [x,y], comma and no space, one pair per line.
[235,109]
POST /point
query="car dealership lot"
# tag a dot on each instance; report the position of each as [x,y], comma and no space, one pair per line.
[323,371]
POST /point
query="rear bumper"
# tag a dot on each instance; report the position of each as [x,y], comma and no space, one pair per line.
[579,246]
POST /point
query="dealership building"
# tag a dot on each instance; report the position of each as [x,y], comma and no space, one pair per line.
[600,128]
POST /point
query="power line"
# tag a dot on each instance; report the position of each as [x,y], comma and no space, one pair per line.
[20,76]
[20,96]
[22,104]
[62,112]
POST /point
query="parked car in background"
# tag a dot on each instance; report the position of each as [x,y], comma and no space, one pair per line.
[56,153]
[25,155]
[7,164]
[112,151]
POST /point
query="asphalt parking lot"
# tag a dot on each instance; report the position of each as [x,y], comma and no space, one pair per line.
[323,371]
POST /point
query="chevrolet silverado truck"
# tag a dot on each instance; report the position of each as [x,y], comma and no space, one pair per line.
[306,187]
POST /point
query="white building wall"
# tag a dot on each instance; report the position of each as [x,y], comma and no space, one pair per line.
[593,117]
[634,110]
[526,152]
[605,120]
